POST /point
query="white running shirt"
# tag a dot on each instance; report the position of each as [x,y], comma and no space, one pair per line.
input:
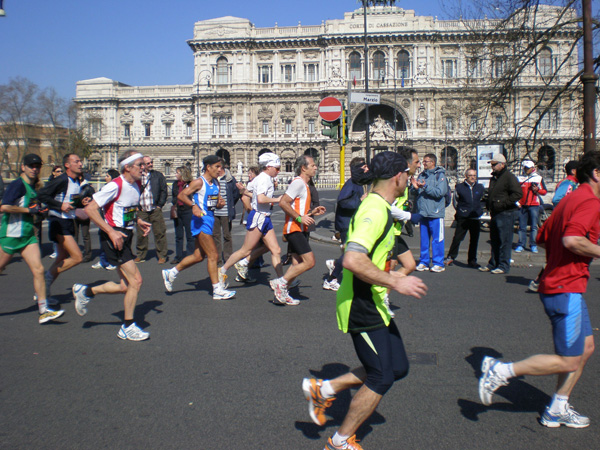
[119,211]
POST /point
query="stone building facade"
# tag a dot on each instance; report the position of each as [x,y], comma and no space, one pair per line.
[258,89]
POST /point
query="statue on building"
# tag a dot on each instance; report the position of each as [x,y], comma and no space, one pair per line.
[240,168]
[381,129]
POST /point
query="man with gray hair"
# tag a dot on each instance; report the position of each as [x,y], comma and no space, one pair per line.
[119,199]
[295,203]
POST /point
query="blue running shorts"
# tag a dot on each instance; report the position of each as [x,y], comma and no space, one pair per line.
[259,220]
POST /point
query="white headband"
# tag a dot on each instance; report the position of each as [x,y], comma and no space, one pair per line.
[131,159]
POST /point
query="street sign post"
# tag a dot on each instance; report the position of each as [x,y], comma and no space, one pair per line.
[365,97]
[330,109]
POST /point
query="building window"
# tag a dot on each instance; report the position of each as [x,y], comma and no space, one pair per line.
[498,67]
[288,126]
[474,68]
[311,72]
[449,124]
[222,70]
[167,130]
[499,124]
[96,129]
[449,68]
[265,127]
[167,169]
[126,130]
[147,130]
[403,64]
[378,65]
[311,126]
[288,73]
[264,74]
[215,126]
[189,129]
[549,120]
[544,62]
[355,70]
[473,127]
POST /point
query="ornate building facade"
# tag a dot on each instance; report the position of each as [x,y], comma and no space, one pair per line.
[258,89]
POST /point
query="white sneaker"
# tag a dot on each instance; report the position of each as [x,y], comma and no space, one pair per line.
[422,268]
[50,315]
[52,256]
[132,333]
[291,301]
[330,263]
[168,279]
[490,380]
[242,270]
[332,285]
[98,265]
[438,269]
[110,267]
[222,294]
[386,302]
[280,291]
[81,300]
[533,286]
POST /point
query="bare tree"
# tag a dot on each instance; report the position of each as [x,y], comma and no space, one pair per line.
[515,44]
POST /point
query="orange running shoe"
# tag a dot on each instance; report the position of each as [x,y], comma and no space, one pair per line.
[350,444]
[317,404]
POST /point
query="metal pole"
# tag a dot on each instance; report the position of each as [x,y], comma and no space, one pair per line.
[367,143]
[588,79]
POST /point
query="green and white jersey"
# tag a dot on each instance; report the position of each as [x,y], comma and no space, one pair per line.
[17,225]
[399,203]
[360,305]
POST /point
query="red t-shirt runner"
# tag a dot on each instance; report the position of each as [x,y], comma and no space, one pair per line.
[565,271]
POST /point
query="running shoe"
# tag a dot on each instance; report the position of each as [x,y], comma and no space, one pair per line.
[222,294]
[223,280]
[519,249]
[422,267]
[81,300]
[330,263]
[280,291]
[350,444]
[484,269]
[449,261]
[49,315]
[290,301]
[110,267]
[438,269]
[386,302]
[132,333]
[242,270]
[497,271]
[52,256]
[332,285]
[168,279]
[490,380]
[98,265]
[533,286]
[534,249]
[569,418]
[317,404]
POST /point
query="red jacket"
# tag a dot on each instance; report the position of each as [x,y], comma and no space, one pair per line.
[529,197]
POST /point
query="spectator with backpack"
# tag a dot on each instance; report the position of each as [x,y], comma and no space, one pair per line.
[432,191]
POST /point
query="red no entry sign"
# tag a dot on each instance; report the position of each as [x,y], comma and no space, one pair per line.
[330,109]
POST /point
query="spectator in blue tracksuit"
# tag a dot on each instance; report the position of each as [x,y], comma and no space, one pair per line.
[431,187]
[349,198]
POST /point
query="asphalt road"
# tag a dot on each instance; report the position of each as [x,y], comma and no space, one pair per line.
[227,374]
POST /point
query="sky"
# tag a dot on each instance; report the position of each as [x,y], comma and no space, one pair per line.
[56,43]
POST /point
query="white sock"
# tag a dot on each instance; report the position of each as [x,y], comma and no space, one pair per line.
[505,369]
[244,262]
[223,270]
[174,271]
[559,404]
[42,305]
[216,287]
[326,389]
[339,440]
[283,282]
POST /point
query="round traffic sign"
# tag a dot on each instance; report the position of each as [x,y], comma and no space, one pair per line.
[330,109]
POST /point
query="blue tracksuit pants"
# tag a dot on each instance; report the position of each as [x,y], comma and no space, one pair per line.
[432,230]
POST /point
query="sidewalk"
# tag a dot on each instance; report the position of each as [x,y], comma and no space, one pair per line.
[325,231]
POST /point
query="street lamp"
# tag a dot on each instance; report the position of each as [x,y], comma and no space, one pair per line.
[203,75]
[2,12]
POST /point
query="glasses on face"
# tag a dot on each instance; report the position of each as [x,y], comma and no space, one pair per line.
[58,171]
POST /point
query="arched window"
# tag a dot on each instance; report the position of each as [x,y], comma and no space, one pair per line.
[224,155]
[222,70]
[449,161]
[403,70]
[544,62]
[546,162]
[289,166]
[167,169]
[378,65]
[355,66]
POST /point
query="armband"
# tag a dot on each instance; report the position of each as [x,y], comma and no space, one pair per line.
[298,219]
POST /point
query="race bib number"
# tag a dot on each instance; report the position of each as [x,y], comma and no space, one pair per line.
[129,215]
[211,202]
